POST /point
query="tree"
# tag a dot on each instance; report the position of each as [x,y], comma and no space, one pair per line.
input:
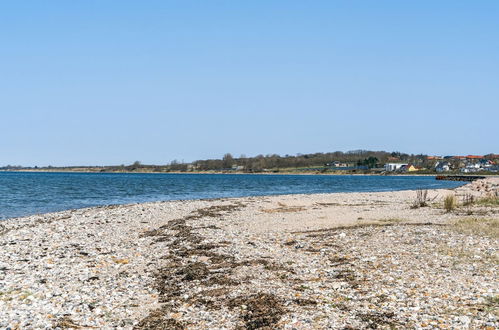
[227,161]
[369,162]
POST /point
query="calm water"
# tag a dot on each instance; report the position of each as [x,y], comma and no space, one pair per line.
[31,193]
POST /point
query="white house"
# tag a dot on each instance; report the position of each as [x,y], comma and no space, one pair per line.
[472,167]
[442,167]
[390,167]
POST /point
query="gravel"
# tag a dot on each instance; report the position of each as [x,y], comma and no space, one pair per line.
[359,260]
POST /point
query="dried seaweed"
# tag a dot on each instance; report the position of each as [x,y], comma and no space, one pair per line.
[157,320]
[260,310]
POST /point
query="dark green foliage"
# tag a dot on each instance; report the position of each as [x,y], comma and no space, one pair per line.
[370,162]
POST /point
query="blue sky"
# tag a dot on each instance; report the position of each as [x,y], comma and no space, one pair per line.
[111,82]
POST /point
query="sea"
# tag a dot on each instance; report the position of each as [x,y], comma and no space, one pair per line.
[29,193]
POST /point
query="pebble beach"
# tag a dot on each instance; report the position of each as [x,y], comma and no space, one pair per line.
[320,261]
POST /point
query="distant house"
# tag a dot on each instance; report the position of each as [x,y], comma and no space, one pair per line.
[337,164]
[493,168]
[391,167]
[486,163]
[475,164]
[442,167]
[237,167]
[409,168]
[472,167]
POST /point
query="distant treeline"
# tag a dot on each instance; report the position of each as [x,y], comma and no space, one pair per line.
[275,162]
[358,160]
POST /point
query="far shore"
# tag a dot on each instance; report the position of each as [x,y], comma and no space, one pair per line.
[337,173]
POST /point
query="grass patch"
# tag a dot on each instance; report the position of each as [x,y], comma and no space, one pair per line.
[450,203]
[488,201]
[421,199]
[464,255]
[478,226]
[468,199]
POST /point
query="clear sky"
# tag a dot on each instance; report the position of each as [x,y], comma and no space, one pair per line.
[111,82]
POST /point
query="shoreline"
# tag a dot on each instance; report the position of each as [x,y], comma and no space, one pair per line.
[324,260]
[254,173]
[225,198]
[217,173]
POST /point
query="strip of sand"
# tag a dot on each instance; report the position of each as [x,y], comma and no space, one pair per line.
[353,260]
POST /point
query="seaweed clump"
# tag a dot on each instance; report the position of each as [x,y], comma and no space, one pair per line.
[157,321]
[261,310]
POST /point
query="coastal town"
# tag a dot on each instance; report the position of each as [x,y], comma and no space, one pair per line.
[463,164]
